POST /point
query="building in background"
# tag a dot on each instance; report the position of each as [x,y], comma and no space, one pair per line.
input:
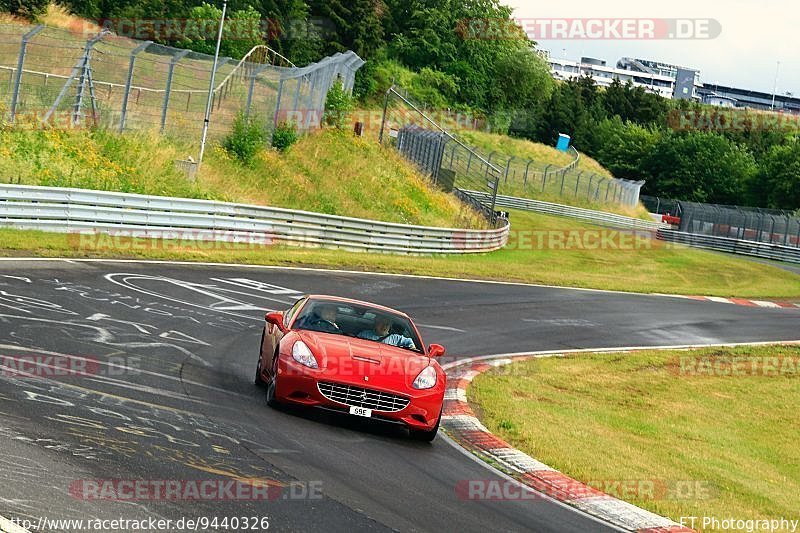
[604,75]
[669,81]
[719,100]
[753,99]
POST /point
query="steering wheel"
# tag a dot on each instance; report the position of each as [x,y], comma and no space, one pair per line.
[331,325]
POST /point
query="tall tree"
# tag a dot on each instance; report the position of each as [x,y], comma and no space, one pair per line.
[699,166]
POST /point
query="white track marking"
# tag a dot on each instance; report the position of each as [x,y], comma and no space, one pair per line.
[105,337]
[125,368]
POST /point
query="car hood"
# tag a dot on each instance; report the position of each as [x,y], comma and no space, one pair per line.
[351,359]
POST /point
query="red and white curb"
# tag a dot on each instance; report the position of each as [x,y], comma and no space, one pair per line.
[738,301]
[461,424]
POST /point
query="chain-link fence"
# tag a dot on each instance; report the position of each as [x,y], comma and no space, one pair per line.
[661,206]
[71,79]
[455,165]
[744,223]
[531,178]
[424,142]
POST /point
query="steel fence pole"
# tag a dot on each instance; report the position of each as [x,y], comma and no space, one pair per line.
[250,87]
[276,116]
[309,100]
[20,65]
[80,68]
[544,176]
[797,237]
[525,179]
[128,83]
[383,117]
[597,189]
[168,89]
[297,93]
[786,231]
[508,167]
[578,182]
[210,97]
[253,74]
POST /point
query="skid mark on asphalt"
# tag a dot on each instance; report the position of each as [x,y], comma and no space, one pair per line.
[219,299]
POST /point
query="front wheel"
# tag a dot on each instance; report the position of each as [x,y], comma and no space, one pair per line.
[272,386]
[259,381]
[426,435]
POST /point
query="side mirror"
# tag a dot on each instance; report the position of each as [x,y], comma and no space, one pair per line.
[276,319]
[435,350]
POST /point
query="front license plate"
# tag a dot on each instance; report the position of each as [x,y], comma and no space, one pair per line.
[361,411]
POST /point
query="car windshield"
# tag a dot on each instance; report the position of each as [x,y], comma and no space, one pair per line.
[359,321]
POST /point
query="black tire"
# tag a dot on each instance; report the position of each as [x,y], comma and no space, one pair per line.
[259,381]
[272,401]
[426,436]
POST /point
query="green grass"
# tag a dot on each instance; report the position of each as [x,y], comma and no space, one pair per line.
[654,268]
[525,150]
[637,416]
[539,179]
[326,172]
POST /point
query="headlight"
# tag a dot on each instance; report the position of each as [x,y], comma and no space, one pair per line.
[302,354]
[426,379]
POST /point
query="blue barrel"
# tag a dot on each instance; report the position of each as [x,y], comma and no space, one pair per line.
[563,142]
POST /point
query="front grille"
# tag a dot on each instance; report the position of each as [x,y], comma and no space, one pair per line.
[361,397]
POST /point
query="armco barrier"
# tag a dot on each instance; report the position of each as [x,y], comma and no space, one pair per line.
[89,211]
[765,250]
[595,217]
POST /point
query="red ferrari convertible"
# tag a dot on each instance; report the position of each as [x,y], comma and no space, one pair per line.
[353,357]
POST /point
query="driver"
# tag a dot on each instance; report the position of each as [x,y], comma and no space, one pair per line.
[322,318]
[381,332]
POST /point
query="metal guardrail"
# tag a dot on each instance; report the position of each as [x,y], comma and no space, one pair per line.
[133,215]
[764,250]
[595,217]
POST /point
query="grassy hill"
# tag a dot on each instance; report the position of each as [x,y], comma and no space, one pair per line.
[523,149]
[328,172]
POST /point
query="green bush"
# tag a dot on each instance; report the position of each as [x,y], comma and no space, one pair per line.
[29,9]
[338,105]
[284,136]
[246,139]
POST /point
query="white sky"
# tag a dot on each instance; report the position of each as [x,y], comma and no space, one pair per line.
[755,35]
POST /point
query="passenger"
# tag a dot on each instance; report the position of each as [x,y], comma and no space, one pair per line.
[381,332]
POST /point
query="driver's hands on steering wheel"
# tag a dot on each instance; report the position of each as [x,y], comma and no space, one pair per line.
[333,325]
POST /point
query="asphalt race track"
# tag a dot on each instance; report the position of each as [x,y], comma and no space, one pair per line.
[170,395]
